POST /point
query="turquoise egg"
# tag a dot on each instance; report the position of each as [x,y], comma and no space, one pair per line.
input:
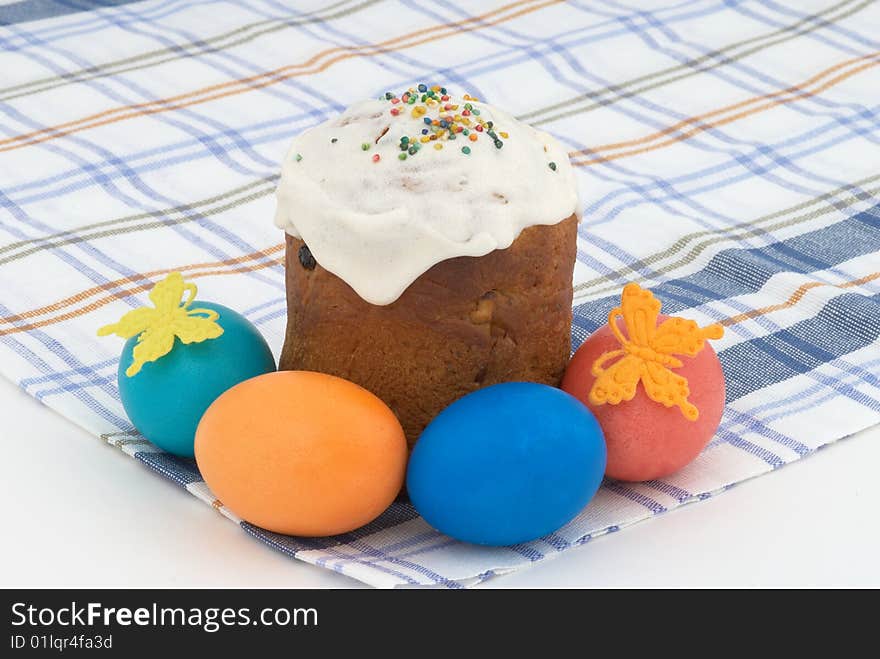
[167,398]
[507,464]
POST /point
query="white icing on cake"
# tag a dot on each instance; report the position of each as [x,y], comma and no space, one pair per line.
[380,225]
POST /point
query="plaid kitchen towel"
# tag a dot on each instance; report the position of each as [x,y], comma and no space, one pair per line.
[727,152]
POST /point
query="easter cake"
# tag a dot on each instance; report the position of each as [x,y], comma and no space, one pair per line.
[430,246]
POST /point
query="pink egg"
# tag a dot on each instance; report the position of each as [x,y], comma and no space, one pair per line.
[645,439]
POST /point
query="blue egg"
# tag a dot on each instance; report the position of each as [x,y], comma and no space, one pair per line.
[507,464]
[167,398]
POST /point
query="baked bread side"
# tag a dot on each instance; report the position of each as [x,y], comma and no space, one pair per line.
[467,322]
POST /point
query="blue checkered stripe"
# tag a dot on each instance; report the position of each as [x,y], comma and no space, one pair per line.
[725,153]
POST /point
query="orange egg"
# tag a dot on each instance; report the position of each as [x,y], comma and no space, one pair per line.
[302,453]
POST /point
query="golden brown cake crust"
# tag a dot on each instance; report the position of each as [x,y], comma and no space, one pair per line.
[466,323]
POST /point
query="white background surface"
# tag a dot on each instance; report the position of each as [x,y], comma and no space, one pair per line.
[78,512]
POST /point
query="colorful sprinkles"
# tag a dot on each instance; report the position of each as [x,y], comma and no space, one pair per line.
[443,118]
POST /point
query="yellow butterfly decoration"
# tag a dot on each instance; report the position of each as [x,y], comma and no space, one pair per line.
[171,317]
[647,354]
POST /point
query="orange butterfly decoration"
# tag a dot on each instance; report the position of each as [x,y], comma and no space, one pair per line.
[647,354]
